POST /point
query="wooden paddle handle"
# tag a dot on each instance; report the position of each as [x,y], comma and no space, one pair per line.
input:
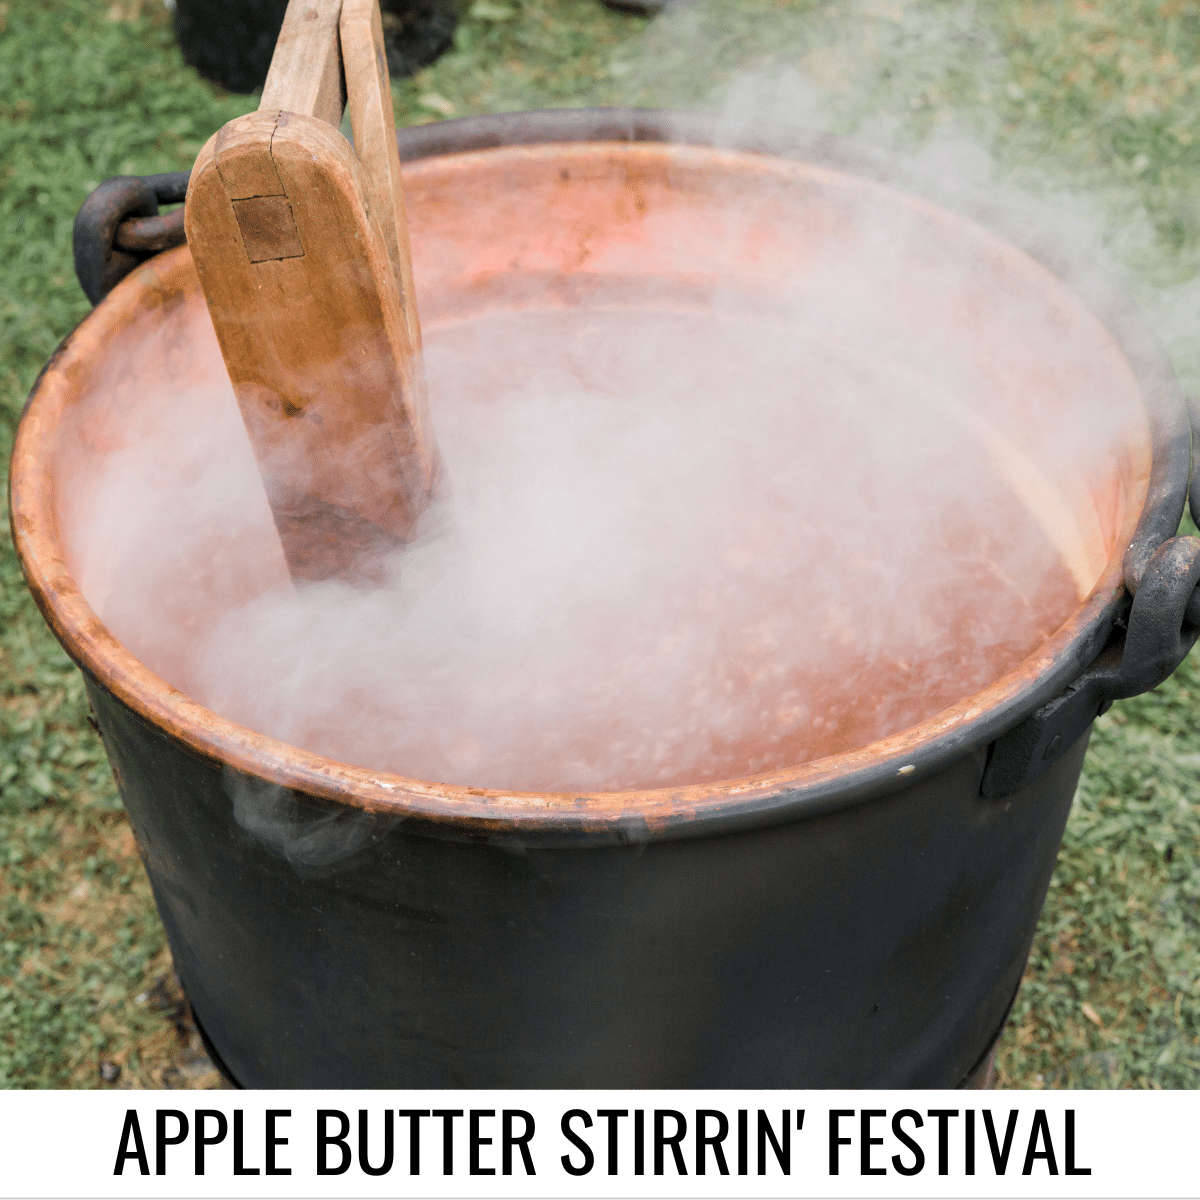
[306,76]
[325,58]
[302,252]
[373,123]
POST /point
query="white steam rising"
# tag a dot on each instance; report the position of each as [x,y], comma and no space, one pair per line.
[685,541]
[678,549]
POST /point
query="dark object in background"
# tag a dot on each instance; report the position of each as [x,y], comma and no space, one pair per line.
[230,42]
[644,8]
[416,32]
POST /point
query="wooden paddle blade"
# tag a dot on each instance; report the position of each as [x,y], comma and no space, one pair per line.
[301,290]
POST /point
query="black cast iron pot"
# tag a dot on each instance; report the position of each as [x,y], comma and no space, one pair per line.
[861,920]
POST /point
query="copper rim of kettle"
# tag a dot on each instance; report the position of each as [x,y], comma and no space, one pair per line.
[448,810]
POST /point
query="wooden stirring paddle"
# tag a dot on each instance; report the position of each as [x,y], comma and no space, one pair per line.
[301,246]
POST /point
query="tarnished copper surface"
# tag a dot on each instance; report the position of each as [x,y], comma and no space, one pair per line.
[543,227]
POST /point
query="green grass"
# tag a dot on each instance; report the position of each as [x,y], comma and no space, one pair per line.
[1112,994]
[1098,103]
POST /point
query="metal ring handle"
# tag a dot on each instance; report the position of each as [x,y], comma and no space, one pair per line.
[1161,628]
[1164,621]
[118,227]
[1193,407]
[1150,540]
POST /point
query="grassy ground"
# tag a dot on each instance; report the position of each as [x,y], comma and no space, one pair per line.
[1096,102]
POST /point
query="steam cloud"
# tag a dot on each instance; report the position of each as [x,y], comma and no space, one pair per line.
[682,544]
